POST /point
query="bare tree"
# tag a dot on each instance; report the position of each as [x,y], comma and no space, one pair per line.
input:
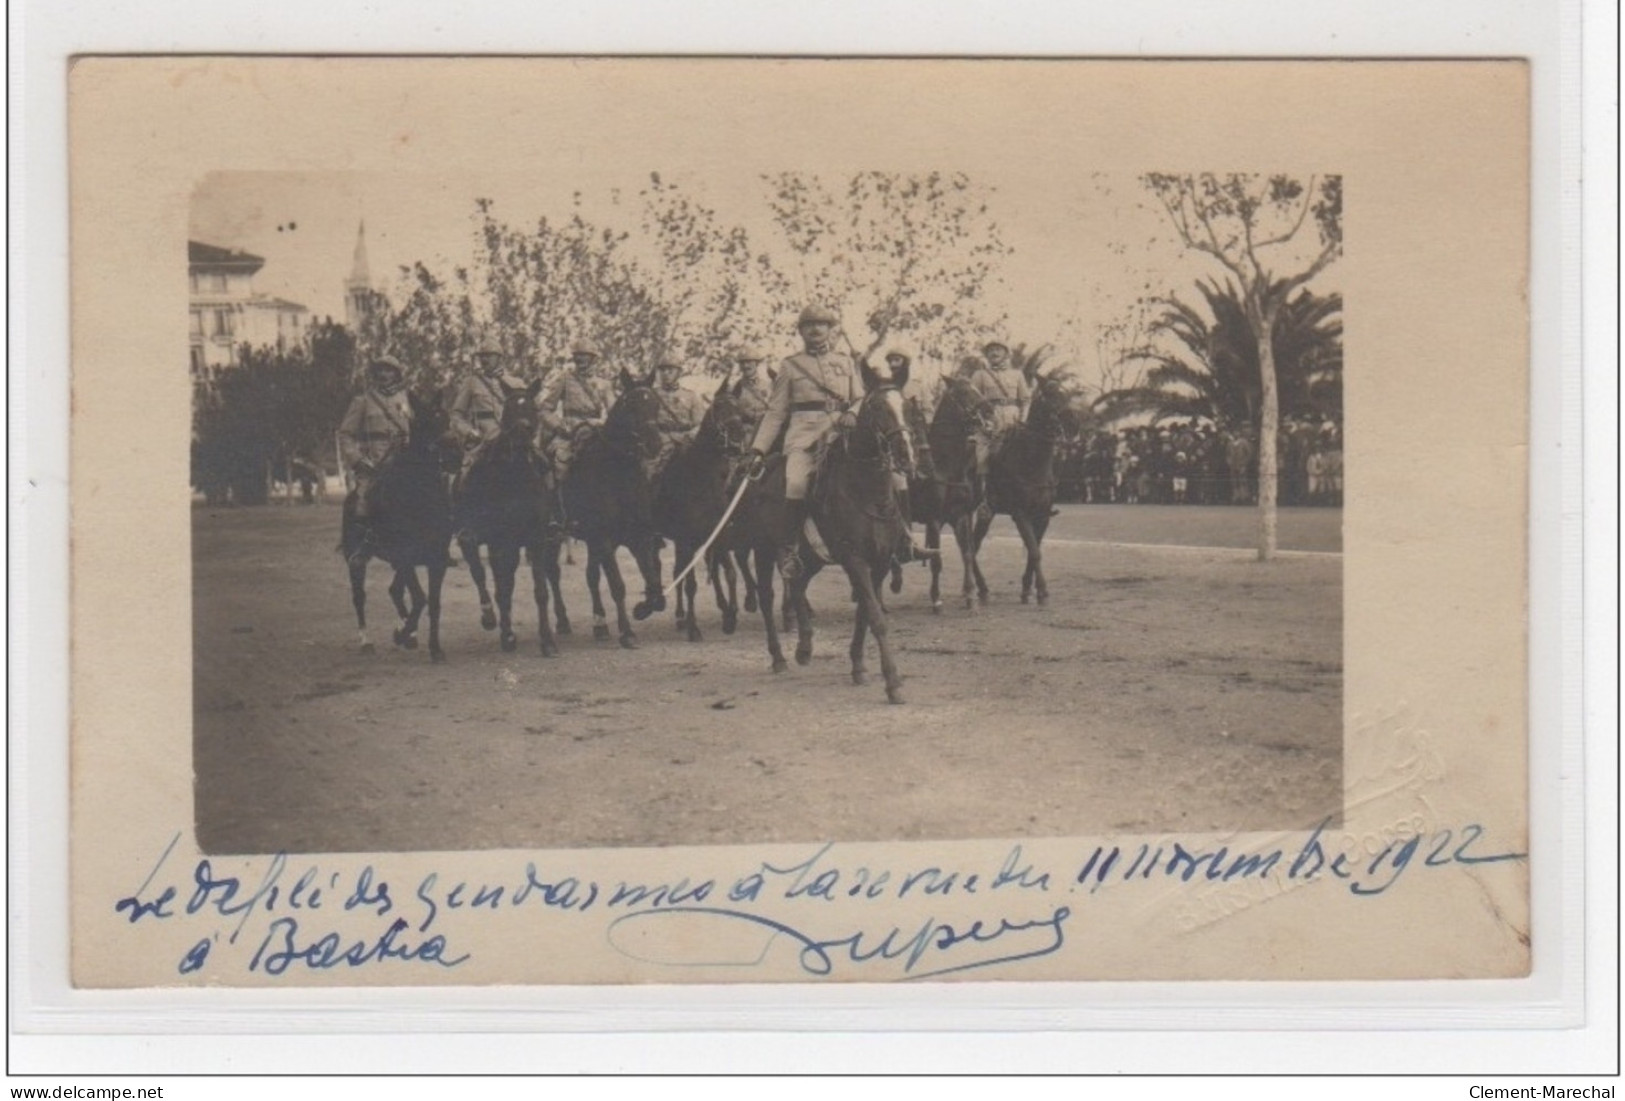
[1247,223]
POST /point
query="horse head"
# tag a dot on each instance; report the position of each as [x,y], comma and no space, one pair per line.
[632,426]
[725,421]
[881,433]
[963,407]
[430,438]
[1052,413]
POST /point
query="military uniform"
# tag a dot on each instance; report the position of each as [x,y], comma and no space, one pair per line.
[476,413]
[753,395]
[808,395]
[1006,390]
[569,402]
[374,425]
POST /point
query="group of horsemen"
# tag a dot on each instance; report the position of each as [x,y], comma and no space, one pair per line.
[812,392]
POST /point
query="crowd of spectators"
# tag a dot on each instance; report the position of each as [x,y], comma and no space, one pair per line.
[1196,463]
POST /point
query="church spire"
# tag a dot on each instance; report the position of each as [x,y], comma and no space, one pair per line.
[359,274]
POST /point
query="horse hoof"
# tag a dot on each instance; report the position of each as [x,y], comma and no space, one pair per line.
[368,648]
[629,642]
[897,581]
[981,598]
[600,632]
[803,656]
[1043,598]
[510,643]
[750,604]
[695,635]
[562,627]
[488,619]
[859,677]
[550,649]
[642,611]
[404,639]
[1024,598]
[780,665]
[437,655]
[893,696]
[936,607]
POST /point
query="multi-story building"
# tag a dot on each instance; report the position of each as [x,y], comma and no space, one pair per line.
[227,314]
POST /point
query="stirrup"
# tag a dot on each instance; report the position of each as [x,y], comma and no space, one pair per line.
[789,563]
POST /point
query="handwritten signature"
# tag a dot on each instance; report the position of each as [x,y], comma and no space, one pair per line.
[820,956]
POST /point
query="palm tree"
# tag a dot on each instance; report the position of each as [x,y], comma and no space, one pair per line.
[1209,368]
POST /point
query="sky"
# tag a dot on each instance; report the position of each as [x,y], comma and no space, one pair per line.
[1083,251]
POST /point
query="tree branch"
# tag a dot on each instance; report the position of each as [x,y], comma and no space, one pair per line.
[1327,255]
[1308,200]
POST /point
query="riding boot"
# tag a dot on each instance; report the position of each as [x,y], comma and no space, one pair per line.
[795,518]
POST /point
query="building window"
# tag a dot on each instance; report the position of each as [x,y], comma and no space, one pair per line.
[197,323]
[200,367]
[222,324]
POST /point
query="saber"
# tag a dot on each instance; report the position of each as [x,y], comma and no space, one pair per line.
[699,555]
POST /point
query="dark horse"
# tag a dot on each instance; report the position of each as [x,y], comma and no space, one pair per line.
[507,504]
[1021,477]
[854,508]
[693,493]
[409,526]
[943,492]
[609,504]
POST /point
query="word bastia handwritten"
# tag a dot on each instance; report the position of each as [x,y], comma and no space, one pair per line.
[290,919]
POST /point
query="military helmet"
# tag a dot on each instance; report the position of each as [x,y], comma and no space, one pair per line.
[585,348]
[488,346]
[387,374]
[814,315]
[668,357]
[750,353]
[995,342]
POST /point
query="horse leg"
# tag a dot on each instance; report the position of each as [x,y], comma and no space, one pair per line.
[795,593]
[873,616]
[752,585]
[437,579]
[357,566]
[764,590]
[540,554]
[504,567]
[860,627]
[406,581]
[965,536]
[721,566]
[978,534]
[1029,539]
[1040,526]
[648,559]
[476,570]
[595,571]
[933,541]
[550,558]
[617,593]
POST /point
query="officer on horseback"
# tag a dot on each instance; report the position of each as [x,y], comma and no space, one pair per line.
[476,410]
[752,390]
[377,421]
[1006,389]
[812,389]
[573,401]
[681,410]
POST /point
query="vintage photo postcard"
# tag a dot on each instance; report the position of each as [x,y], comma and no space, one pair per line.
[566,521]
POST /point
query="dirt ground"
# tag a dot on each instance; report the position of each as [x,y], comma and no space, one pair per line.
[1171,683]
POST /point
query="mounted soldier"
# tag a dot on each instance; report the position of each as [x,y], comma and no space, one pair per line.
[752,390]
[681,410]
[574,400]
[811,391]
[1007,389]
[377,422]
[476,408]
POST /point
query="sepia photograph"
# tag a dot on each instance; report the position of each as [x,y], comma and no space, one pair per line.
[507,496]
